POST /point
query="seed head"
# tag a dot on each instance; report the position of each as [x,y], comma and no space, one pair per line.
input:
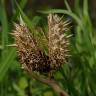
[58,40]
[30,51]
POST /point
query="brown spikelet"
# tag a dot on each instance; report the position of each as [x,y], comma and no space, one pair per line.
[58,40]
[29,53]
[31,48]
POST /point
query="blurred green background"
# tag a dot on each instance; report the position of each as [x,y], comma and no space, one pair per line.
[78,77]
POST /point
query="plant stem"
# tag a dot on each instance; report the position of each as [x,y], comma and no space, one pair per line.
[52,83]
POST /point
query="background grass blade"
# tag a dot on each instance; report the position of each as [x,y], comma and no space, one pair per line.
[9,59]
[4,34]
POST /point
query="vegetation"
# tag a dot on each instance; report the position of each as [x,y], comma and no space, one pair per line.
[76,77]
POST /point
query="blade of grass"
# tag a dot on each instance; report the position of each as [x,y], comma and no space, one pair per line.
[29,23]
[67,5]
[22,6]
[4,23]
[7,63]
[78,10]
[86,17]
[85,7]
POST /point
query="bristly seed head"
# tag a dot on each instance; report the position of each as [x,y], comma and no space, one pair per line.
[32,55]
